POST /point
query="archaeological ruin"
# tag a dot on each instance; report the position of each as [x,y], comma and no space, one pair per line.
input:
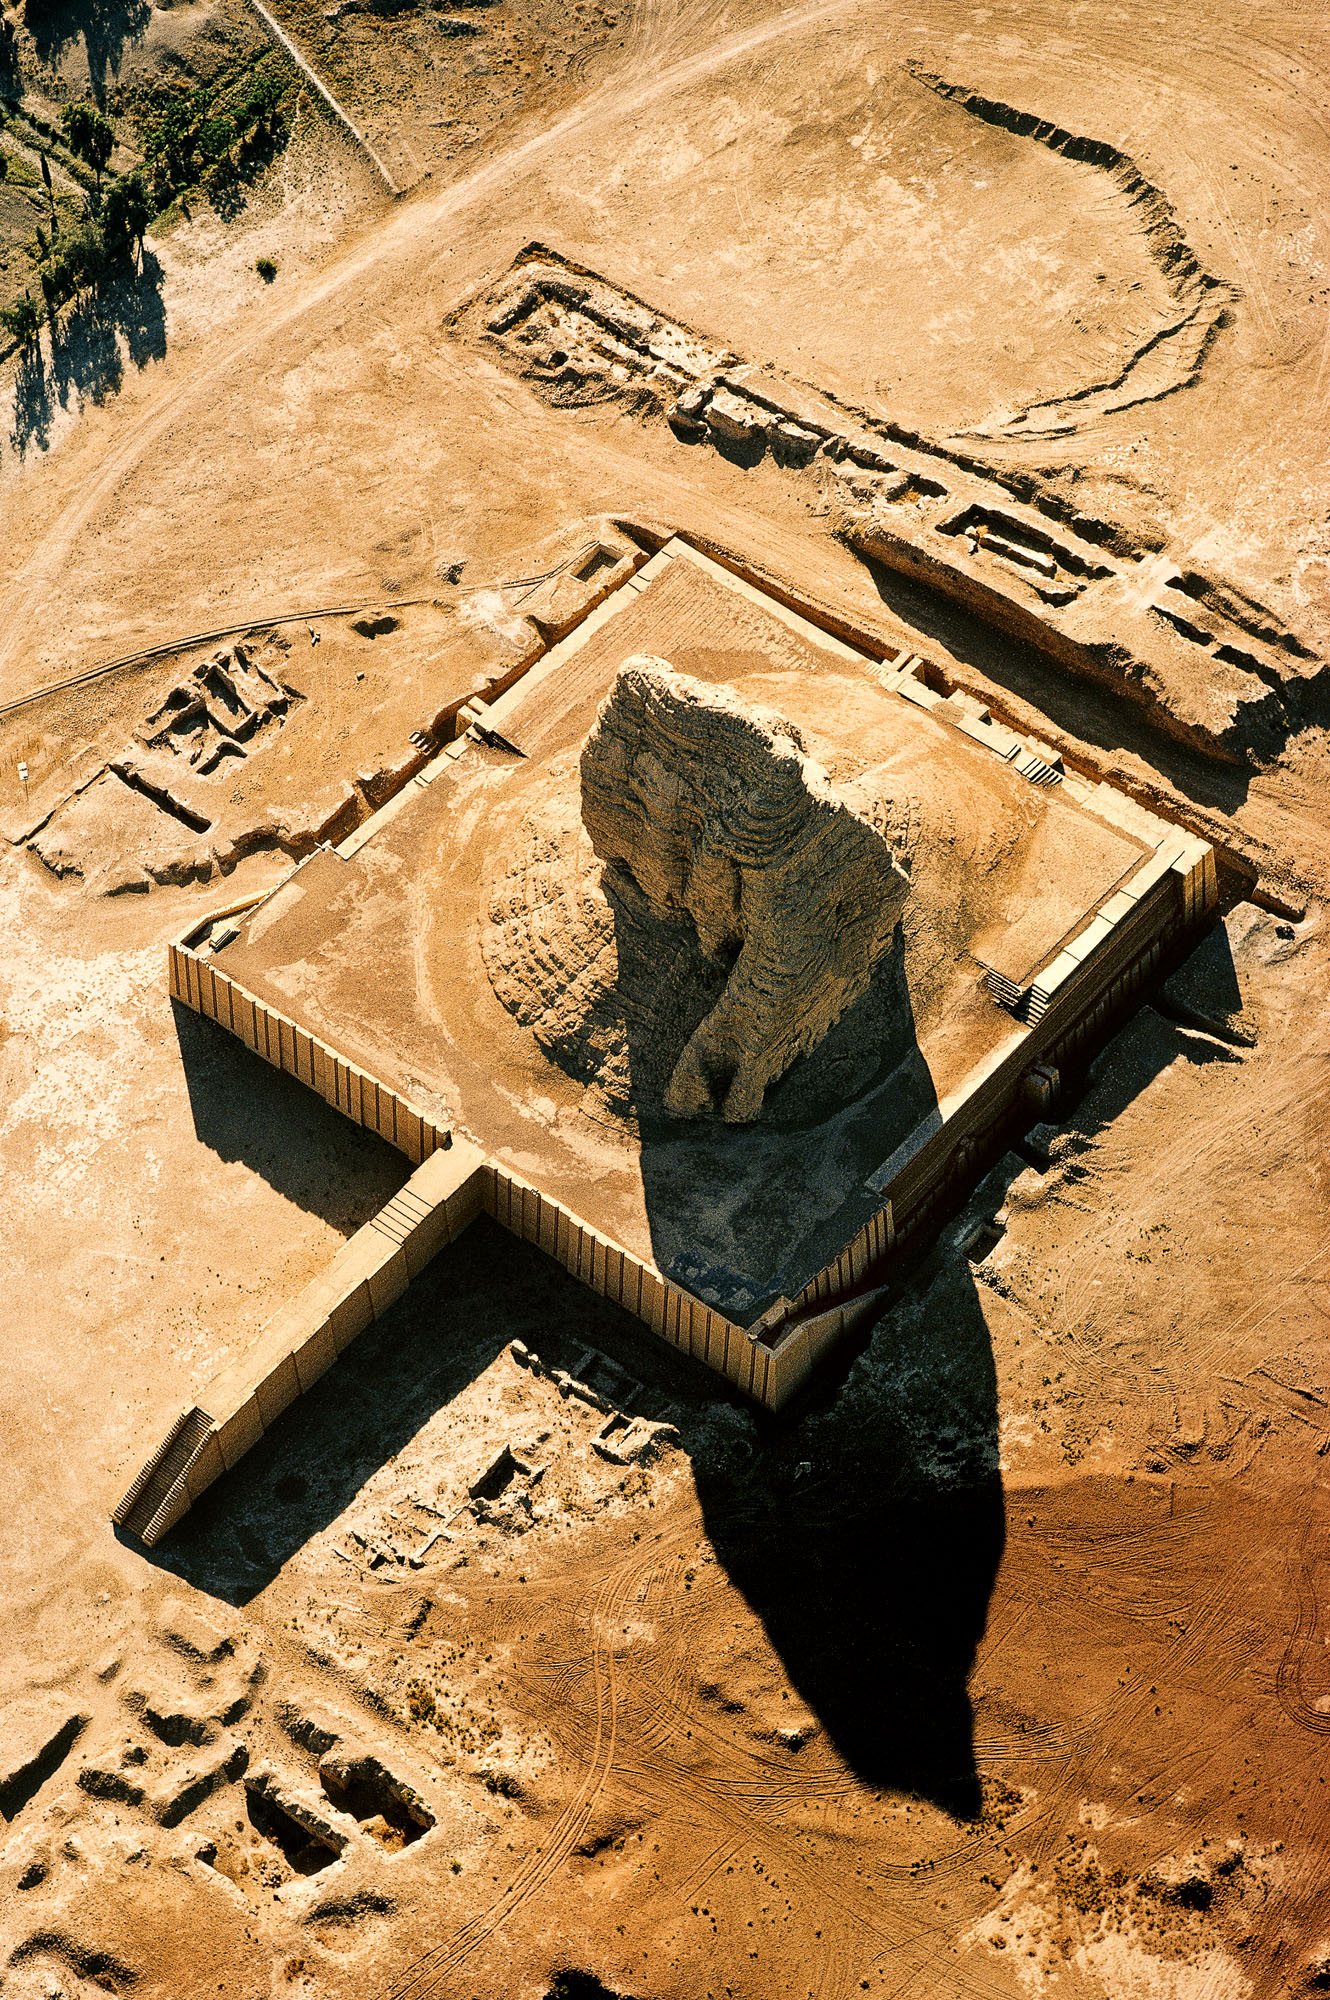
[716,956]
[665,1003]
[714,816]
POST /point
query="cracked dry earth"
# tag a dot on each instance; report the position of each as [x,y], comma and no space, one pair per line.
[518,1658]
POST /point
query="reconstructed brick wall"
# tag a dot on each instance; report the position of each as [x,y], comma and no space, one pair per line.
[303,1340]
[604,1266]
[197,983]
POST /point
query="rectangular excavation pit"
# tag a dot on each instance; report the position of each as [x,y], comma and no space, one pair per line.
[605,1378]
[305,1840]
[1021,542]
[629,1440]
[499,1475]
[600,559]
[42,1748]
[388,1809]
[158,795]
[1189,627]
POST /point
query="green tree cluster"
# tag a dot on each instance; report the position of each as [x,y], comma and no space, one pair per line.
[90,134]
[68,261]
[192,142]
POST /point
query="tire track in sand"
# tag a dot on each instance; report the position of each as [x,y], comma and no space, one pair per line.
[425,1975]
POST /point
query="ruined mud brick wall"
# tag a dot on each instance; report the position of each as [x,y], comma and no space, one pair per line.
[1206,665]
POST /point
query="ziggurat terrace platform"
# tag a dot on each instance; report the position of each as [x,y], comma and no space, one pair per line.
[431,952]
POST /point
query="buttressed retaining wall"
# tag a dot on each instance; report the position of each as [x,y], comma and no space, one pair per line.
[366,1276]
[1095,972]
[608,1268]
[453,1184]
[197,984]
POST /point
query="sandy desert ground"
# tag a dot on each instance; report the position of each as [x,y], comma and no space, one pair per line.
[998,1667]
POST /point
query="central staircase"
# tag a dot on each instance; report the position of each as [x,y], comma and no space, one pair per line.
[151,1506]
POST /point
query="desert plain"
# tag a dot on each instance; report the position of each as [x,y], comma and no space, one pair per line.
[522,1656]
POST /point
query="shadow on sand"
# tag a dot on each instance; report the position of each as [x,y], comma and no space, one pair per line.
[245,1110]
[105,27]
[867,1537]
[306,1470]
[123,319]
[864,1526]
[1148,1045]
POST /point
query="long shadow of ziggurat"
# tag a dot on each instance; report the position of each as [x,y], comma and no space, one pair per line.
[867,1537]
[864,1532]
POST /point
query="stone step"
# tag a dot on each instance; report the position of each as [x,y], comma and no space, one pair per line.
[363,1279]
[149,1499]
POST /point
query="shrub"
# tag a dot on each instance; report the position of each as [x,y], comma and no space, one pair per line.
[75,259]
[22,321]
[215,136]
[502,1783]
[266,269]
[420,1702]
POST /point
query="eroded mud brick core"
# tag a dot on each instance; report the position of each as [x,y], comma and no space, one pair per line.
[728,949]
[716,815]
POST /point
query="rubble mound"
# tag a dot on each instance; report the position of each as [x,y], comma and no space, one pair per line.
[608,997]
[713,813]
